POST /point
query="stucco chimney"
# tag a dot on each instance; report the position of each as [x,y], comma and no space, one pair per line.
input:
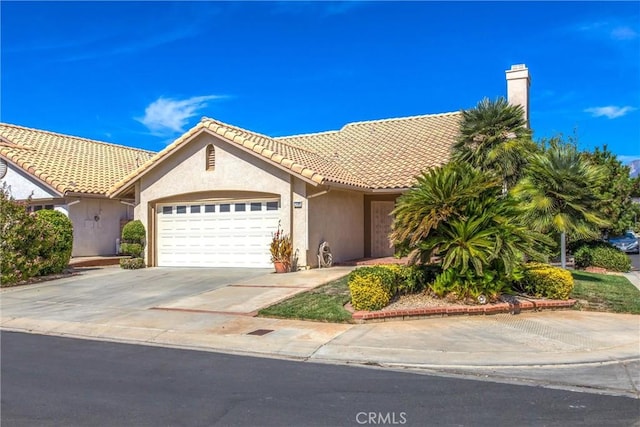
[518,82]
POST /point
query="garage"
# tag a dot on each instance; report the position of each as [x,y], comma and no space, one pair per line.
[229,233]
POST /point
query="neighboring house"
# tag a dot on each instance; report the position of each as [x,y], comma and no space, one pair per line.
[71,175]
[214,196]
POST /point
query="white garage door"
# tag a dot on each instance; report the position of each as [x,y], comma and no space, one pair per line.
[224,234]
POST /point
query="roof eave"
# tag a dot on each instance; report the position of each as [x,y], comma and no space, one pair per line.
[55,189]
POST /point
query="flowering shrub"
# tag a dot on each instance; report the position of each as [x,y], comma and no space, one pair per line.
[369,292]
[281,247]
[546,281]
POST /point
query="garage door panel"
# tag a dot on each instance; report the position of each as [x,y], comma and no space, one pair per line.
[209,237]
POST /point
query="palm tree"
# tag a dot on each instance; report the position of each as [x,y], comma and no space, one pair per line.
[494,138]
[439,195]
[458,213]
[557,193]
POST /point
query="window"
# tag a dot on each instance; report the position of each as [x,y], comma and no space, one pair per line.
[36,208]
[181,209]
[272,206]
[211,157]
[225,207]
[195,209]
[167,210]
[256,206]
[209,208]
[241,207]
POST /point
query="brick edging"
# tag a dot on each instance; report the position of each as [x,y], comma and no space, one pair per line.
[454,310]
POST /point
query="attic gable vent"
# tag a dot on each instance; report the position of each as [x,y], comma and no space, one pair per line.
[3,168]
[211,157]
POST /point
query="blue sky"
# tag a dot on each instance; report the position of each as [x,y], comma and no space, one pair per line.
[141,73]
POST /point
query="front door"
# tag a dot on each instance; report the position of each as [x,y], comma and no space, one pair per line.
[381,220]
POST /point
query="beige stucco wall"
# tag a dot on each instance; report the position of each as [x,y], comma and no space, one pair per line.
[337,218]
[91,237]
[236,171]
[300,218]
[22,186]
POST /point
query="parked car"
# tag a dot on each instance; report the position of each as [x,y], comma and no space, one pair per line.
[627,243]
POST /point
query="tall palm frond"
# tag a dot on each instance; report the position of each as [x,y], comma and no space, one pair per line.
[495,139]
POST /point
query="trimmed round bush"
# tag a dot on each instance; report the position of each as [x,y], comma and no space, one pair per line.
[604,256]
[368,292]
[545,281]
[133,249]
[133,240]
[55,255]
[133,232]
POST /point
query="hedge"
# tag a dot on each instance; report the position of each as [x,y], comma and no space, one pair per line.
[56,255]
[545,281]
[603,255]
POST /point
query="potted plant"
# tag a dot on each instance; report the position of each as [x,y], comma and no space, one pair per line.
[281,249]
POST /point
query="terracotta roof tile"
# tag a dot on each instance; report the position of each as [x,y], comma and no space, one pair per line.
[378,154]
[388,153]
[68,163]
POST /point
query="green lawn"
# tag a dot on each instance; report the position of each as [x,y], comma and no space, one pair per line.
[325,304]
[595,292]
[605,292]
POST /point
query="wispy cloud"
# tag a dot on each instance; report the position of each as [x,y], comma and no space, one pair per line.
[624,33]
[610,111]
[134,47]
[321,8]
[612,29]
[166,116]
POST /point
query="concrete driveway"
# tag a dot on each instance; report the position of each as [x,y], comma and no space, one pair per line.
[140,289]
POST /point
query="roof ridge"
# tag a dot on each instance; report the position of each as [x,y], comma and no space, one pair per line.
[308,134]
[419,116]
[234,127]
[72,136]
[278,139]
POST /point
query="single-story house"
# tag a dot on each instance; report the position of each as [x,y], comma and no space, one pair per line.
[216,194]
[71,175]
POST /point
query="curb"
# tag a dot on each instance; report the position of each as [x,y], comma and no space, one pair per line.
[363,316]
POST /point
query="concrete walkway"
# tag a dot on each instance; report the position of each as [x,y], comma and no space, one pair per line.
[212,311]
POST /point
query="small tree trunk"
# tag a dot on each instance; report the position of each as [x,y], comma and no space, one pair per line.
[563,250]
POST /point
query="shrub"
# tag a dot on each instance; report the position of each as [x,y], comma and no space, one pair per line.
[369,292]
[603,255]
[386,274]
[133,240]
[545,281]
[491,283]
[133,249]
[133,232]
[132,263]
[55,251]
[20,240]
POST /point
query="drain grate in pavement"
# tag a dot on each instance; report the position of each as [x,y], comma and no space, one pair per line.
[260,332]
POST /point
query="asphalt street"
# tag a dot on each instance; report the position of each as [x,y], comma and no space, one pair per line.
[635,261]
[53,381]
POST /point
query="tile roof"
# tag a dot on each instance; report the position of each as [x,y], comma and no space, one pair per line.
[386,154]
[69,163]
[379,154]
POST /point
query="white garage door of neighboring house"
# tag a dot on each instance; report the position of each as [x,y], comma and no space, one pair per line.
[216,234]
